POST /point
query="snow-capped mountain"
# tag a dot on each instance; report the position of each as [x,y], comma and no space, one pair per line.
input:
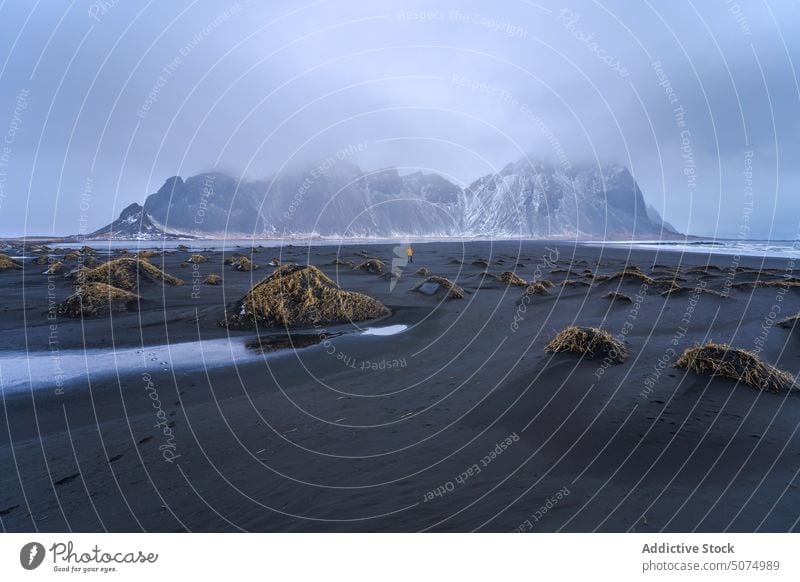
[542,201]
[525,199]
[133,224]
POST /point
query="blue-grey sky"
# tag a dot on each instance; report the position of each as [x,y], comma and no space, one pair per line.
[101,101]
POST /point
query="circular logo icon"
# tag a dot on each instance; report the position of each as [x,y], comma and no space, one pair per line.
[31,555]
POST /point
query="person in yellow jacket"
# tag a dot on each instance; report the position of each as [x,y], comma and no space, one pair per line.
[410,254]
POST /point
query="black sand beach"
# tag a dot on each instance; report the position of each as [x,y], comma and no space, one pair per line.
[460,422]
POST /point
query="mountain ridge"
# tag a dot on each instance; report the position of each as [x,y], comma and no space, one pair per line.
[524,199]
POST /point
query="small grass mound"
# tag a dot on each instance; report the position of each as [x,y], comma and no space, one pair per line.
[96,299]
[41,260]
[510,278]
[54,269]
[591,342]
[575,283]
[244,264]
[196,259]
[537,288]
[182,247]
[614,296]
[628,273]
[735,364]
[341,263]
[374,266]
[424,271]
[484,264]
[90,261]
[706,270]
[147,254]
[453,290]
[125,274]
[72,256]
[677,290]
[7,262]
[667,279]
[785,282]
[212,279]
[87,250]
[297,295]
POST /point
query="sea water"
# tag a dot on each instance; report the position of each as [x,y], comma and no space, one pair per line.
[22,371]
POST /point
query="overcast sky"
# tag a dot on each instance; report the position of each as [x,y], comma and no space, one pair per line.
[101,101]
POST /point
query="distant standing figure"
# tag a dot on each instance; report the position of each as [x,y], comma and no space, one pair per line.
[410,254]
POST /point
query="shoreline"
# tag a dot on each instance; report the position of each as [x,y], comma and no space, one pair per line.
[685,245]
[331,239]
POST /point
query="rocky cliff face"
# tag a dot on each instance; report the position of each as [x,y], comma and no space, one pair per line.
[539,200]
[133,224]
[206,204]
[524,199]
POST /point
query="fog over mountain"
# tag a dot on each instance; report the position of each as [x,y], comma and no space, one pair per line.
[525,199]
[100,101]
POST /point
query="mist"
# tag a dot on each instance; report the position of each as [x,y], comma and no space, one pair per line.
[102,101]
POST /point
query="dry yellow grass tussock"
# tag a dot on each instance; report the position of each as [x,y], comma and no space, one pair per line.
[537,288]
[125,273]
[96,299]
[7,262]
[296,295]
[591,342]
[735,364]
[629,273]
[453,290]
[54,269]
[244,264]
[510,278]
[374,266]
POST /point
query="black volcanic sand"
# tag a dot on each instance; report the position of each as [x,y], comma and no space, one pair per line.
[404,432]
